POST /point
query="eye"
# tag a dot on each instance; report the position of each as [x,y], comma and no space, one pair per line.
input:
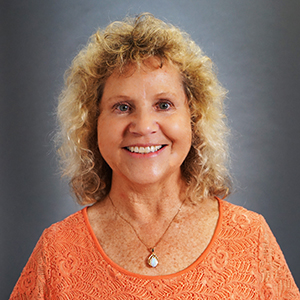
[164,105]
[122,107]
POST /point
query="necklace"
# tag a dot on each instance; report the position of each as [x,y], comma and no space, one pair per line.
[152,259]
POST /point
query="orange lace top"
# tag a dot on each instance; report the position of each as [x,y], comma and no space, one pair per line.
[242,261]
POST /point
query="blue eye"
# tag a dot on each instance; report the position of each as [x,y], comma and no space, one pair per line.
[164,105]
[123,107]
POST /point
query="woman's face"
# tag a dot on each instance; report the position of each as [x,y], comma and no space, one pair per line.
[144,129]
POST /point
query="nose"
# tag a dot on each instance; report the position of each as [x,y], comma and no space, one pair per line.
[143,123]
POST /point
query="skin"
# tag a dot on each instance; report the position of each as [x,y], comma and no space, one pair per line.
[147,107]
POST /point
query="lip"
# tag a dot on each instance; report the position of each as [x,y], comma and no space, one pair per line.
[150,154]
[145,145]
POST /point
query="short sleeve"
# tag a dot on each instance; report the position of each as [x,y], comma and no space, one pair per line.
[276,279]
[32,283]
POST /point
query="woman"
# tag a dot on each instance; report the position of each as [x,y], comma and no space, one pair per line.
[143,141]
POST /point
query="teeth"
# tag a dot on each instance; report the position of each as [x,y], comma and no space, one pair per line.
[144,150]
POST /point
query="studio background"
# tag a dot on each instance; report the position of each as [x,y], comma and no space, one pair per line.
[255,46]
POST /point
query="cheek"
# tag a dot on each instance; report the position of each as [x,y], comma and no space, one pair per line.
[180,131]
[186,138]
[103,132]
[185,127]
[106,126]
[110,133]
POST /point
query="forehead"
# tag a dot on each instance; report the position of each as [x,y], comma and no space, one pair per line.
[149,64]
[151,72]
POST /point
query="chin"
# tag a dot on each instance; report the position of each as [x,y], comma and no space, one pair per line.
[148,180]
[151,178]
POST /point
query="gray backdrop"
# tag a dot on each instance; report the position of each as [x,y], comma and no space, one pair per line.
[255,45]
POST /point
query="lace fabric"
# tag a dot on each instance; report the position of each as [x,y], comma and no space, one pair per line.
[243,261]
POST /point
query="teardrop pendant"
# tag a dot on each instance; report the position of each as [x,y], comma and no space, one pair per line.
[152,259]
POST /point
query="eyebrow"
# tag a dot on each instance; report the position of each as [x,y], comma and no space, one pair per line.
[165,94]
[118,97]
[124,97]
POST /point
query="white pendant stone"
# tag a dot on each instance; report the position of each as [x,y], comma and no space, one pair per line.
[152,260]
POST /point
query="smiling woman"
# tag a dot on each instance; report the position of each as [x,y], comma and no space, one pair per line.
[144,127]
[143,142]
[143,43]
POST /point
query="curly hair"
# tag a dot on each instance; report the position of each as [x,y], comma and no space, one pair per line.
[110,50]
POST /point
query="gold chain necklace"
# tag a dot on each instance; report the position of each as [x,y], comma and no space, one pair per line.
[152,258]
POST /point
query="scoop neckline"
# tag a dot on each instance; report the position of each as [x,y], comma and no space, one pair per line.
[155,277]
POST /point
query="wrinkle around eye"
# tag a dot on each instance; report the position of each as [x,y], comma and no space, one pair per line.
[160,104]
[122,108]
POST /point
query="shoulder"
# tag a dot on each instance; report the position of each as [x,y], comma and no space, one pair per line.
[67,240]
[234,213]
[245,224]
[66,230]
[241,221]
[76,219]
[246,245]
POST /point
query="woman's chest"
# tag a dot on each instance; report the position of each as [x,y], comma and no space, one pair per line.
[175,249]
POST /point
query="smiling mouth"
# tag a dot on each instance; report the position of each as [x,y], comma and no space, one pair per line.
[144,150]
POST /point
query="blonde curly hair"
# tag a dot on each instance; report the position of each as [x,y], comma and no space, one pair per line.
[112,49]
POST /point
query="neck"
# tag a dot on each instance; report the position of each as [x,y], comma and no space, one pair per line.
[146,203]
